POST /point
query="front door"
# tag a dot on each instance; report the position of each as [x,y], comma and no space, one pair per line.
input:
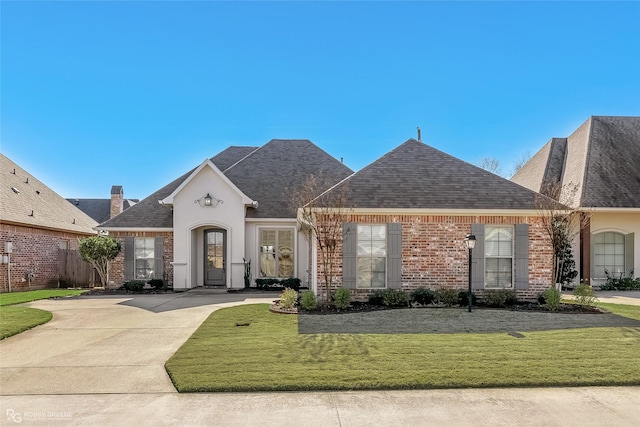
[215,262]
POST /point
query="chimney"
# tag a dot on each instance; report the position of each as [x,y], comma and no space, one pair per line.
[117,199]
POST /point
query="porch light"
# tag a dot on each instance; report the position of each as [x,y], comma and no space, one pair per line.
[470,242]
[208,201]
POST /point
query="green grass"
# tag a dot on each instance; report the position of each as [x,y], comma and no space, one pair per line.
[269,354]
[28,296]
[14,320]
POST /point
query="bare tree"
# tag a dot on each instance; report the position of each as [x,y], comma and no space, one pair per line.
[518,164]
[562,223]
[321,213]
[491,164]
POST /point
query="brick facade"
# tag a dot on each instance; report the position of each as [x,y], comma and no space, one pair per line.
[117,265]
[434,254]
[34,251]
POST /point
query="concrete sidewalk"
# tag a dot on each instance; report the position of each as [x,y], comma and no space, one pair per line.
[100,361]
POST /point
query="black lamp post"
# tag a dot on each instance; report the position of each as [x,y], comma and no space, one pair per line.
[470,241]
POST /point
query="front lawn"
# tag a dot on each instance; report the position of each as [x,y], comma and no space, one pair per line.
[15,319]
[248,348]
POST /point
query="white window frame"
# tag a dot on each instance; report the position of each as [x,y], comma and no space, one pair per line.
[487,230]
[359,284]
[618,272]
[149,275]
[277,257]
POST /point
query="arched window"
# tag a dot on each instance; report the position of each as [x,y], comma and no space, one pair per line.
[608,254]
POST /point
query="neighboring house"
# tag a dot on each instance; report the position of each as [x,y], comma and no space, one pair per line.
[598,170]
[199,229]
[406,218]
[104,209]
[35,223]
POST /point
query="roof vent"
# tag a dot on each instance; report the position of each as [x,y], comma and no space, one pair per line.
[27,181]
[14,171]
[38,192]
[15,190]
[31,214]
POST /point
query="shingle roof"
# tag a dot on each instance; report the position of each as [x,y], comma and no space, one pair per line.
[266,174]
[99,209]
[601,157]
[417,176]
[280,167]
[26,200]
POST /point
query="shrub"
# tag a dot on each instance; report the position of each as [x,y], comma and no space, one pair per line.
[288,298]
[423,296]
[584,295]
[500,298]
[291,283]
[390,298]
[267,283]
[621,284]
[342,298]
[134,285]
[551,298]
[308,300]
[156,283]
[446,297]
[463,299]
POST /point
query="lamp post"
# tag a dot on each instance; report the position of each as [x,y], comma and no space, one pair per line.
[470,242]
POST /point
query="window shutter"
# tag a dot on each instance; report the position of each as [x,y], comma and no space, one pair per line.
[158,261]
[522,256]
[128,258]
[477,272]
[592,256]
[628,253]
[394,255]
[349,252]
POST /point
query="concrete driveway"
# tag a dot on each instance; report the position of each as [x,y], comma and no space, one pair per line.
[100,361]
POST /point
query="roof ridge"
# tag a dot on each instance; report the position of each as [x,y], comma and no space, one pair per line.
[248,146]
[586,161]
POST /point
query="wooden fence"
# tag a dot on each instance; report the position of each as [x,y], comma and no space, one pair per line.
[74,271]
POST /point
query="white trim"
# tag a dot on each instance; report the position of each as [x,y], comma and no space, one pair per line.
[169,199]
[129,229]
[295,247]
[270,220]
[451,212]
[612,210]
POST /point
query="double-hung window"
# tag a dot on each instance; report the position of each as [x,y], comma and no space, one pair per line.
[144,254]
[276,252]
[498,247]
[371,256]
[608,254]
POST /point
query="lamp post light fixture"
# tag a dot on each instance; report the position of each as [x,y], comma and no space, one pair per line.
[470,242]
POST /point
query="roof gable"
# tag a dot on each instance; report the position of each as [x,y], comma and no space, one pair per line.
[417,176]
[26,200]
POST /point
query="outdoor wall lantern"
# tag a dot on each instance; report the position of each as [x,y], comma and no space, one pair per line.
[208,201]
[470,242]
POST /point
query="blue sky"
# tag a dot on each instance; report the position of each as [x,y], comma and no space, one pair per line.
[95,94]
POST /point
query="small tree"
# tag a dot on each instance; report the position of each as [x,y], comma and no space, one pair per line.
[320,216]
[491,164]
[562,224]
[99,252]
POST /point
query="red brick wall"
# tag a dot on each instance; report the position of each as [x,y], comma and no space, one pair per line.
[117,265]
[434,254]
[34,250]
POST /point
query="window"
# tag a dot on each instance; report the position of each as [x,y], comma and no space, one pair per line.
[371,256]
[144,257]
[608,254]
[63,244]
[276,252]
[498,257]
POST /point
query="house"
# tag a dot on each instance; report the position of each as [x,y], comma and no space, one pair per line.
[35,223]
[103,209]
[596,168]
[200,229]
[405,218]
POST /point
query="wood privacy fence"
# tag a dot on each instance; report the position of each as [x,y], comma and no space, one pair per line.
[74,271]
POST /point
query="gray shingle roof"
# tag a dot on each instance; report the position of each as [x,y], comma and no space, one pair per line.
[99,209]
[280,167]
[601,157]
[27,201]
[266,174]
[417,176]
